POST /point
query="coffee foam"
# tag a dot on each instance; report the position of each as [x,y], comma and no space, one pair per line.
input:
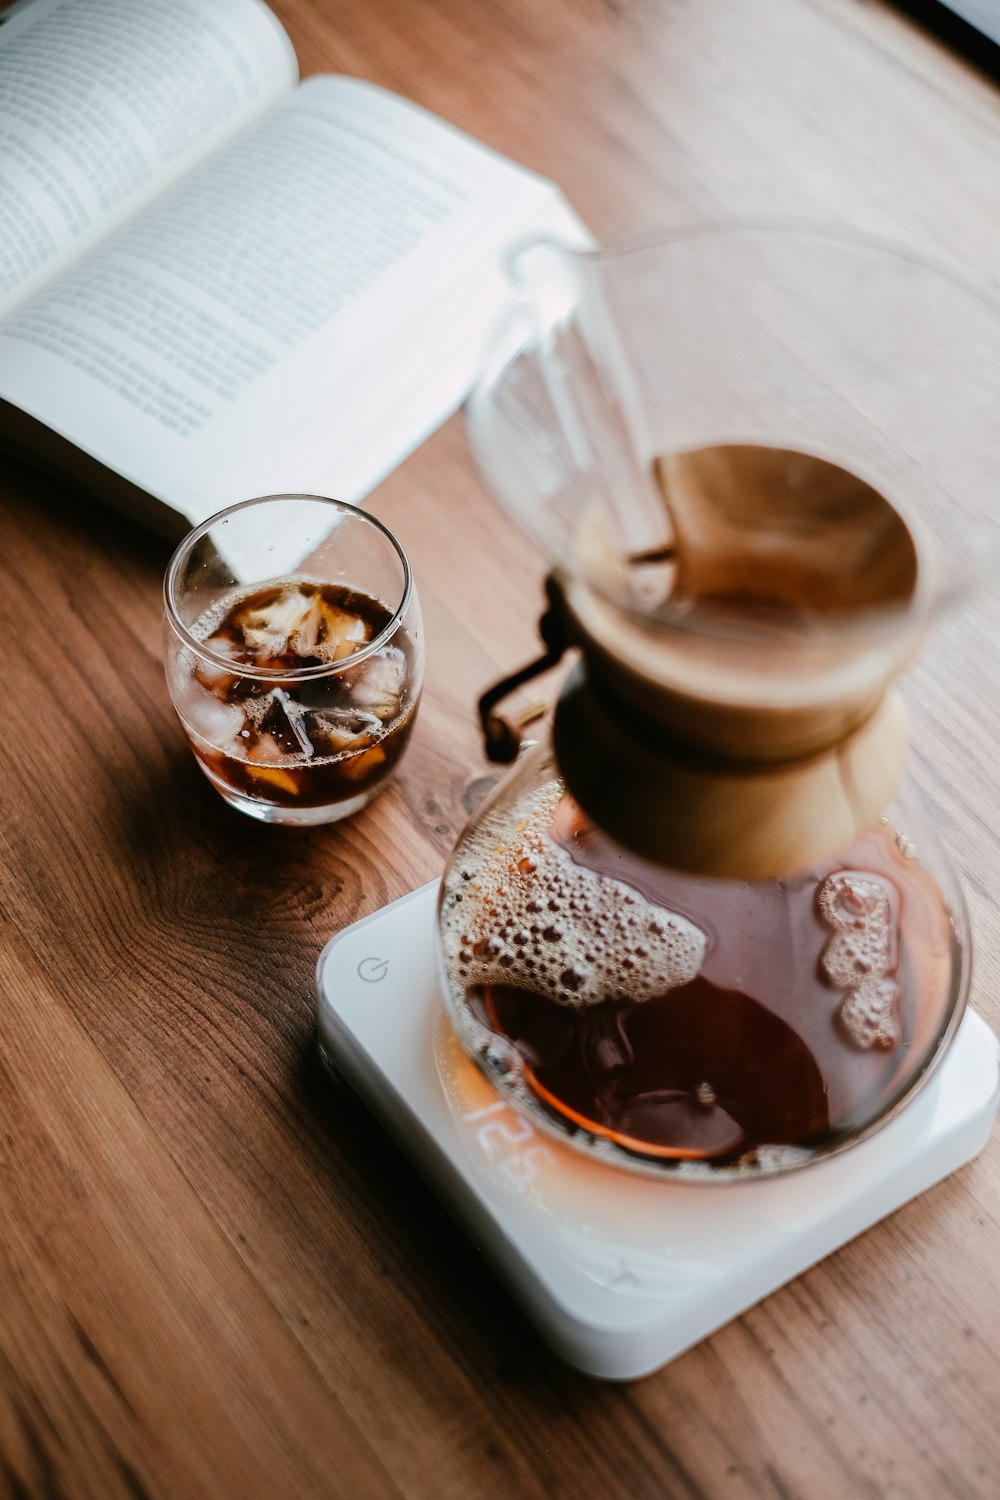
[863,954]
[519,911]
[208,624]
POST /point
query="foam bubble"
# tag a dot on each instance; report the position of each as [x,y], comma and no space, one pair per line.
[519,911]
[863,954]
[210,622]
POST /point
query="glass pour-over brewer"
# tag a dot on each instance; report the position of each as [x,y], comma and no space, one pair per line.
[703,927]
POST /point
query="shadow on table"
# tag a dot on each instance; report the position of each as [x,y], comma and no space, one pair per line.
[191,967]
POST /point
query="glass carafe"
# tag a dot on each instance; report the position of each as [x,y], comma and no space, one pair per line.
[703,927]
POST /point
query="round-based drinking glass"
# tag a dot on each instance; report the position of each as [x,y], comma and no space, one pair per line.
[293,650]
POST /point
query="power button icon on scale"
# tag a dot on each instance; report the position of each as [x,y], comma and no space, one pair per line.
[373,969]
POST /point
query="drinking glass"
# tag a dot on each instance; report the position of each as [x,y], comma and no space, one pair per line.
[293,650]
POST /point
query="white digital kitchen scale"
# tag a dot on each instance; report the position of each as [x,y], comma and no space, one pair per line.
[619,1272]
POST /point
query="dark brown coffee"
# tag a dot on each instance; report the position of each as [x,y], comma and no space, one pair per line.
[697,1018]
[307,740]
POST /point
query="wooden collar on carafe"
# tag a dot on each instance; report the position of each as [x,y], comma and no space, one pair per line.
[746,753]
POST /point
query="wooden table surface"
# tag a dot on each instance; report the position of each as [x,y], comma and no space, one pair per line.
[217,1277]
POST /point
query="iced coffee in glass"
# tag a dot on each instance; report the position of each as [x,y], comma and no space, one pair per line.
[294,655]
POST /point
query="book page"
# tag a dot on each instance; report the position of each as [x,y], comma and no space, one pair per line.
[103,103]
[288,294]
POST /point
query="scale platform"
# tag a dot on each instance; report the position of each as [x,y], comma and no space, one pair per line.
[619,1273]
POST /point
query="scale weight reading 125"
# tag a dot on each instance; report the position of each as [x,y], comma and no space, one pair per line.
[619,1273]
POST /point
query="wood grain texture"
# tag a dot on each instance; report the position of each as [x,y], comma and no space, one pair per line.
[217,1277]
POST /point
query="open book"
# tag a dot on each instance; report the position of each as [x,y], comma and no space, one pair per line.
[215,283]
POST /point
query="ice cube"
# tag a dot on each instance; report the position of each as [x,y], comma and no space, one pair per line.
[264,749]
[305,624]
[344,728]
[215,678]
[268,629]
[357,766]
[223,645]
[218,723]
[329,632]
[274,776]
[378,686]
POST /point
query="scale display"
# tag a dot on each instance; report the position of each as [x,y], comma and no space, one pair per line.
[618,1272]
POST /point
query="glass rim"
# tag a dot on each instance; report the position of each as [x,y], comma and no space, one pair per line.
[516,336]
[283,674]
